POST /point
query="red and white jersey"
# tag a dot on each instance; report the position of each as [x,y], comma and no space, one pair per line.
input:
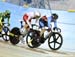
[27,18]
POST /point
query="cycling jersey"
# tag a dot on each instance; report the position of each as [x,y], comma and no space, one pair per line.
[47,23]
[27,18]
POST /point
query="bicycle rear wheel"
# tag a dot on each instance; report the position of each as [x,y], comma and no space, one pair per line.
[15,39]
[31,40]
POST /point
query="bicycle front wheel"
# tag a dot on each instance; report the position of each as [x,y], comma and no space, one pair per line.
[55,40]
[5,33]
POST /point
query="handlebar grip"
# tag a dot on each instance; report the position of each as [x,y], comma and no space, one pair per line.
[58,29]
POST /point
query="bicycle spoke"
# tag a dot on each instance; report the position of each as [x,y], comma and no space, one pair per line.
[58,43]
[57,38]
[51,42]
[30,41]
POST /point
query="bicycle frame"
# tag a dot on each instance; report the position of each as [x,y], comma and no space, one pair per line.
[46,30]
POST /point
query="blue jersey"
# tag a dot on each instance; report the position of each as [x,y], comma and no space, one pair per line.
[50,20]
[43,23]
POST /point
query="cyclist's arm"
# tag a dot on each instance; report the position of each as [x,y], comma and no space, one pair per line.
[8,20]
[29,22]
[55,23]
[41,24]
[49,22]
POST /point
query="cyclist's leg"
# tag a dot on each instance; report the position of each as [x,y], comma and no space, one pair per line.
[42,25]
[42,31]
[25,29]
[24,32]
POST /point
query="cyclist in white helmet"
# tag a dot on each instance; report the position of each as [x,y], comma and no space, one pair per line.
[36,18]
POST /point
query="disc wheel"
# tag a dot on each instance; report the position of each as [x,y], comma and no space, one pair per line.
[13,39]
[31,40]
[55,40]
